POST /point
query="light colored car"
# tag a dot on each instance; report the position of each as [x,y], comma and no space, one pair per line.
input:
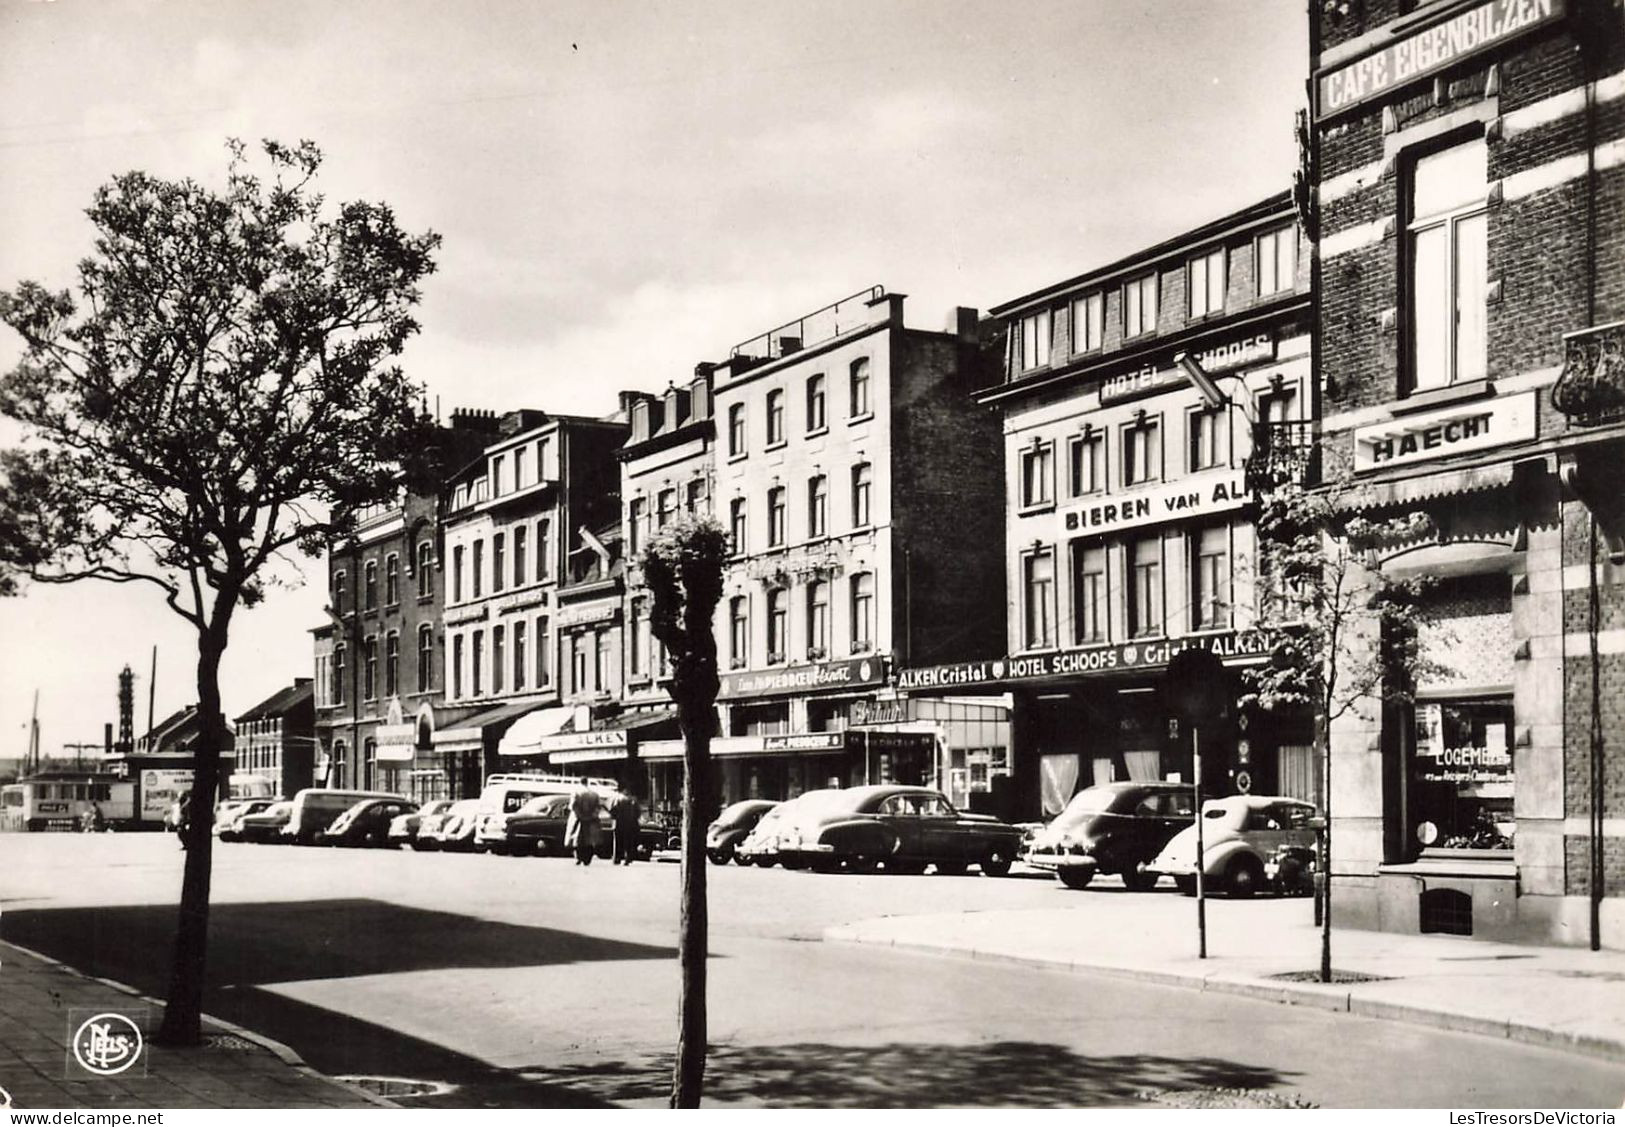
[229,826]
[404,829]
[732,826]
[1249,843]
[761,846]
[452,829]
[265,827]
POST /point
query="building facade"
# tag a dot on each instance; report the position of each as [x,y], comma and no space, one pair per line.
[276,739]
[1465,159]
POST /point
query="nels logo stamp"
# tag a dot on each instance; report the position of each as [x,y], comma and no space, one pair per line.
[106,1043]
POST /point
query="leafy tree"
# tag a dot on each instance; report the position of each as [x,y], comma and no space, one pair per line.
[1349,633]
[219,397]
[682,567]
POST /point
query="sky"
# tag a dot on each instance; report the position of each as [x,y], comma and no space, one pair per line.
[624,189]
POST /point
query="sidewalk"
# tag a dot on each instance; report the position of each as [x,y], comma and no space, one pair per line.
[1565,998]
[40,999]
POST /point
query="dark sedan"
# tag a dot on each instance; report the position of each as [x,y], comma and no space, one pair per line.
[366,823]
[1113,828]
[906,828]
[732,826]
[539,825]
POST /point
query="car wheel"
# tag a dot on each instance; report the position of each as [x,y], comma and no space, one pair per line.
[1186,884]
[862,863]
[1244,877]
[997,862]
[1075,877]
[718,856]
[951,868]
[739,858]
[1138,879]
[794,864]
[906,868]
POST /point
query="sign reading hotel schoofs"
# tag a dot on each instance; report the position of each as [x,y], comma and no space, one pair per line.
[828,677]
[1432,49]
[1439,434]
[1221,358]
[1236,645]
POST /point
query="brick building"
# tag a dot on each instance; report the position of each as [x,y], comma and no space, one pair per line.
[276,739]
[1466,161]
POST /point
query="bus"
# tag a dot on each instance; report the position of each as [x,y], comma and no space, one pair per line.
[62,800]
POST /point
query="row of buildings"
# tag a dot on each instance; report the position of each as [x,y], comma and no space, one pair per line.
[964,557]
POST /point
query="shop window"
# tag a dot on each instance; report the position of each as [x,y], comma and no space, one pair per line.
[1038,475]
[1142,452]
[1463,775]
[1205,284]
[1145,588]
[1277,256]
[1089,607]
[1035,336]
[858,388]
[816,420]
[1038,599]
[1140,300]
[1448,265]
[778,625]
[1206,447]
[1089,322]
[1086,464]
[775,417]
[736,431]
[1210,578]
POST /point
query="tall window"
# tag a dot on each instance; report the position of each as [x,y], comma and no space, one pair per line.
[1277,260]
[863,612]
[392,580]
[425,570]
[477,680]
[665,507]
[775,517]
[1142,452]
[1037,475]
[341,594]
[544,549]
[499,482]
[457,665]
[499,561]
[1207,435]
[1205,282]
[1140,305]
[578,662]
[738,632]
[818,506]
[1089,594]
[861,486]
[601,680]
[1038,586]
[816,419]
[778,624]
[775,417]
[457,574]
[1449,265]
[634,524]
[636,654]
[543,456]
[1210,578]
[369,585]
[1145,587]
[1089,322]
[694,496]
[521,467]
[858,387]
[425,658]
[543,648]
[818,620]
[519,666]
[736,525]
[479,566]
[499,657]
[736,430]
[1035,335]
[392,664]
[1086,464]
[521,534]
[369,669]
[338,675]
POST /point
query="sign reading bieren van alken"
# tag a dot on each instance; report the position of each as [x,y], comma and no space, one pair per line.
[1239,646]
[1429,50]
[1196,496]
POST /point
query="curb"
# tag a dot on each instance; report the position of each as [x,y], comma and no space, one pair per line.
[282,1052]
[1330,998]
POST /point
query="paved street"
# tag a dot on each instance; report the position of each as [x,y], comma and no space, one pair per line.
[532,982]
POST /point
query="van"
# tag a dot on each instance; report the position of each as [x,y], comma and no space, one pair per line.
[316,808]
[505,794]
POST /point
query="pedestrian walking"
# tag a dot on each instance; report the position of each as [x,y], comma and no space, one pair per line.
[581,829]
[623,815]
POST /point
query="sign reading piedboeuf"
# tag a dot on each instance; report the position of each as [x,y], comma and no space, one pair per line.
[1429,50]
[828,677]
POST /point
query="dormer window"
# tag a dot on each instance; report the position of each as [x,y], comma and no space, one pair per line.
[1036,333]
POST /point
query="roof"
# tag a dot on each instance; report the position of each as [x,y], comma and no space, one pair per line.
[282,701]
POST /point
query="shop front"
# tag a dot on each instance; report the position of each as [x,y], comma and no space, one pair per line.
[478,746]
[607,747]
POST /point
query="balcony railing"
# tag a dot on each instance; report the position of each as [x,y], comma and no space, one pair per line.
[824,324]
[1284,454]
[1591,389]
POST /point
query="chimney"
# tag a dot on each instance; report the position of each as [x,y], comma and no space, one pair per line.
[628,398]
[963,323]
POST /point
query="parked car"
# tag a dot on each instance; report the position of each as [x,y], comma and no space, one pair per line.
[761,846]
[315,808]
[504,794]
[733,825]
[430,825]
[366,823]
[229,827]
[1113,828]
[265,827]
[452,831]
[1249,842]
[907,828]
[404,829]
[538,827]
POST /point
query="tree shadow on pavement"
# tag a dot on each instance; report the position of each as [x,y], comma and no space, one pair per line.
[997,1074]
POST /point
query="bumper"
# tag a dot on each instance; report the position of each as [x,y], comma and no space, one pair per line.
[1055,861]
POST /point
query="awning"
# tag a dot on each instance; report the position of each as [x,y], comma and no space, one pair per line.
[607,739]
[532,728]
[469,734]
[1406,491]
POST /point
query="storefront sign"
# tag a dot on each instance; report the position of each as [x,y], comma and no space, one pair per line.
[805,741]
[1235,646]
[1223,358]
[587,613]
[456,616]
[564,741]
[520,601]
[397,743]
[587,755]
[871,711]
[807,678]
[159,789]
[1430,50]
[879,740]
[1189,497]
[1439,434]
[951,676]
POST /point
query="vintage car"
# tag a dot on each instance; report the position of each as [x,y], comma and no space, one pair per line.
[404,829]
[1249,842]
[732,826]
[365,823]
[452,830]
[1113,828]
[265,827]
[906,828]
[228,822]
[760,846]
[538,828]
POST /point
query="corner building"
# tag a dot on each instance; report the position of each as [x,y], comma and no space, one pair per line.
[1466,160]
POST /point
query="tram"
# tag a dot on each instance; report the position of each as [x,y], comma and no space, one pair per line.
[62,801]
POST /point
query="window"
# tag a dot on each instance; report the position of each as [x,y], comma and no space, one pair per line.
[861,515]
[479,566]
[775,417]
[1277,253]
[694,496]
[392,580]
[1089,594]
[818,620]
[1210,578]
[544,549]
[369,585]
[1034,336]
[1145,587]
[457,665]
[425,658]
[635,517]
[775,517]
[636,653]
[477,680]
[1142,452]
[736,431]
[1086,468]
[738,632]
[1089,322]
[457,574]
[1448,267]
[499,484]
[1207,435]
[863,612]
[340,592]
[858,386]
[499,561]
[1463,782]
[499,657]
[665,507]
[818,507]
[1205,283]
[601,680]
[392,664]
[521,467]
[815,404]
[338,675]
[520,534]
[543,448]
[1038,587]
[778,624]
[425,570]
[736,525]
[519,655]
[369,669]
[1140,306]
[578,663]
[1037,475]
[543,674]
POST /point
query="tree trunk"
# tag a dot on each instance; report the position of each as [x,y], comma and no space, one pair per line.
[688,1075]
[183,1014]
